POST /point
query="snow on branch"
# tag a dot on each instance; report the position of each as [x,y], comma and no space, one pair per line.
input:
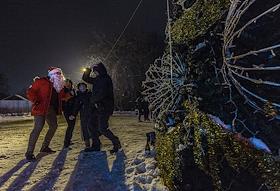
[163,88]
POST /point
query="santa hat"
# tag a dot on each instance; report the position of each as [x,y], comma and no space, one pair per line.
[54,70]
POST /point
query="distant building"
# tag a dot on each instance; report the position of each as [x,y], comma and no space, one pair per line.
[15,104]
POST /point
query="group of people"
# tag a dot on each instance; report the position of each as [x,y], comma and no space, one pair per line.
[52,95]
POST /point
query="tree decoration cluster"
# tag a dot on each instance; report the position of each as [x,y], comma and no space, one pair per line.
[164,89]
[224,73]
[225,157]
[237,69]
[196,20]
[213,148]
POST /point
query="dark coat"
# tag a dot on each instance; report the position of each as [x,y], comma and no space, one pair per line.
[67,106]
[82,105]
[140,103]
[102,90]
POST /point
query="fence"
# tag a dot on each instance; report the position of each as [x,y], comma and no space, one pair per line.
[15,106]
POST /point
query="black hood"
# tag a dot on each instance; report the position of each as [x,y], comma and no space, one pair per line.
[100,68]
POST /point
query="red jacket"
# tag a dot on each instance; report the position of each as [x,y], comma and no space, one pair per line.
[39,93]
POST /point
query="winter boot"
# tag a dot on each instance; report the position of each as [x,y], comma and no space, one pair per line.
[47,150]
[30,157]
[87,143]
[96,145]
[88,149]
[147,147]
[95,149]
[117,147]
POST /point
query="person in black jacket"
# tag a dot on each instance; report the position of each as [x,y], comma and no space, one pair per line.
[67,107]
[82,105]
[146,110]
[140,106]
[103,99]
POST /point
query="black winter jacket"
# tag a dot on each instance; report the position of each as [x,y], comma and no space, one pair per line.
[67,106]
[102,90]
[82,104]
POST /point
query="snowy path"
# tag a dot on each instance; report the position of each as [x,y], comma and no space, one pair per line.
[72,169]
[9,118]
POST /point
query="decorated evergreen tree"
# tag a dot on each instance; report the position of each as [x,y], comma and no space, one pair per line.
[218,84]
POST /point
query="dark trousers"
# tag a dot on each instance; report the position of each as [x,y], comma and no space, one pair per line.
[86,127]
[146,115]
[69,130]
[100,126]
[140,113]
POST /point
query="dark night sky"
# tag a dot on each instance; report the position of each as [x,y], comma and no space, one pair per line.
[36,34]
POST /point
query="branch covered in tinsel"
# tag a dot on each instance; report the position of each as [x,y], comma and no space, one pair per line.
[197,19]
[221,146]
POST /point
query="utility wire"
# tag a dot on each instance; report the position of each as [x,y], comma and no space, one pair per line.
[120,36]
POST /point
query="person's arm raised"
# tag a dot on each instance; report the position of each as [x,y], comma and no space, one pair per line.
[86,76]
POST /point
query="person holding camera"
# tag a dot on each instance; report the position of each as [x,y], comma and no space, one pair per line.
[103,100]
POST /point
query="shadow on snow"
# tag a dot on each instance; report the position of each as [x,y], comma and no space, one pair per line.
[92,173]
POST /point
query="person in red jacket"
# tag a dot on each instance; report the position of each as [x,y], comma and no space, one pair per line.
[46,96]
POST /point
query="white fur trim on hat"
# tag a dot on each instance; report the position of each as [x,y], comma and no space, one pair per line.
[54,70]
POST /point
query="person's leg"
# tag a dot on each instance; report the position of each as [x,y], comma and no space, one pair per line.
[69,130]
[145,115]
[94,131]
[140,113]
[147,112]
[39,122]
[87,143]
[52,122]
[103,127]
[85,131]
[86,138]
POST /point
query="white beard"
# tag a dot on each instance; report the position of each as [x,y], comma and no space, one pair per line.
[58,82]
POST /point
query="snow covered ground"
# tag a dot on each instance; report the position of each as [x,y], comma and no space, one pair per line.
[10,118]
[72,169]
[14,117]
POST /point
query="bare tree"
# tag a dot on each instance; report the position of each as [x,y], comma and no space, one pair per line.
[127,63]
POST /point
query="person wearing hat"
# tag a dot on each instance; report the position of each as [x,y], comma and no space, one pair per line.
[46,96]
[67,107]
[103,99]
[82,105]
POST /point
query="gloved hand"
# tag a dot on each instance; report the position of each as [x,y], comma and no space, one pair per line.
[87,69]
[72,117]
